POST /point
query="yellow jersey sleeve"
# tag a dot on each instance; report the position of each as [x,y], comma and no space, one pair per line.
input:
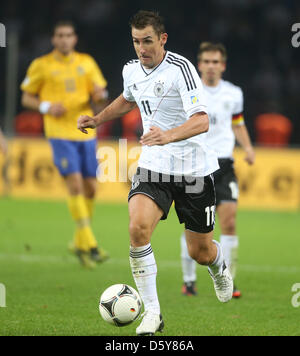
[95,76]
[34,79]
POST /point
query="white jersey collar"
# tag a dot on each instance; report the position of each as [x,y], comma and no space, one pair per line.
[213,90]
[149,71]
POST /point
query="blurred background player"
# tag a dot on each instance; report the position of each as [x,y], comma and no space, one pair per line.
[60,85]
[225,110]
[3,143]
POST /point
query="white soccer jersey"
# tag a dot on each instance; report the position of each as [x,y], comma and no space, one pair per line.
[225,108]
[167,96]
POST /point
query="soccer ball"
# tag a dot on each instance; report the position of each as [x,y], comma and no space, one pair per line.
[120,305]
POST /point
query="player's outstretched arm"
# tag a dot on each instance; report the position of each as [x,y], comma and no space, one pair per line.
[119,107]
[195,125]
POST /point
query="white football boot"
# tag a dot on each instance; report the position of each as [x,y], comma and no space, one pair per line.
[150,324]
[223,283]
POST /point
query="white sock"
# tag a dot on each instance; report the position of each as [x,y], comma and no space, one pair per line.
[187,263]
[144,271]
[229,245]
[216,266]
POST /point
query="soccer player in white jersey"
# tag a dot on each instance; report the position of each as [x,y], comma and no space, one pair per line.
[175,164]
[225,111]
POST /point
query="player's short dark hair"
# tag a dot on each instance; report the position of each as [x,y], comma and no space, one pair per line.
[212,47]
[63,23]
[144,18]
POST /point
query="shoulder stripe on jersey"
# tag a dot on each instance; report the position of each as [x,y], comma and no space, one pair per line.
[173,61]
[184,75]
[186,67]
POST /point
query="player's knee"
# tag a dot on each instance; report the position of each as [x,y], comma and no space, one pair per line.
[90,189]
[91,194]
[74,184]
[75,189]
[139,233]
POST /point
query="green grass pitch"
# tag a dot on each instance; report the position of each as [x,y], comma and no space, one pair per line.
[49,293]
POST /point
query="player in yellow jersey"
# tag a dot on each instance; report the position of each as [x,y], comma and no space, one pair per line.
[61,85]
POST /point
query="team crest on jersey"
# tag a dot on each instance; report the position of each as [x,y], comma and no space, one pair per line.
[159,89]
[80,70]
[194,99]
[227,105]
[64,163]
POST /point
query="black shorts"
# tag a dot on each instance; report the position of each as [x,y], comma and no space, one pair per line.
[226,183]
[194,198]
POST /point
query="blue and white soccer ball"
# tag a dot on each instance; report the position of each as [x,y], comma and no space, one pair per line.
[120,305]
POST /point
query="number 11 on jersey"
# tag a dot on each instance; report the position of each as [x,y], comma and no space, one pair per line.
[146,107]
[210,215]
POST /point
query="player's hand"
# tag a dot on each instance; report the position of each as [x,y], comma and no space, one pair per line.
[86,122]
[56,109]
[250,156]
[155,136]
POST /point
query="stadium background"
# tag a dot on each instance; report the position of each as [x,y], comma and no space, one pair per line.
[257,34]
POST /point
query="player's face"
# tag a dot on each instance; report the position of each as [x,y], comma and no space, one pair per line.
[148,46]
[64,39]
[211,66]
